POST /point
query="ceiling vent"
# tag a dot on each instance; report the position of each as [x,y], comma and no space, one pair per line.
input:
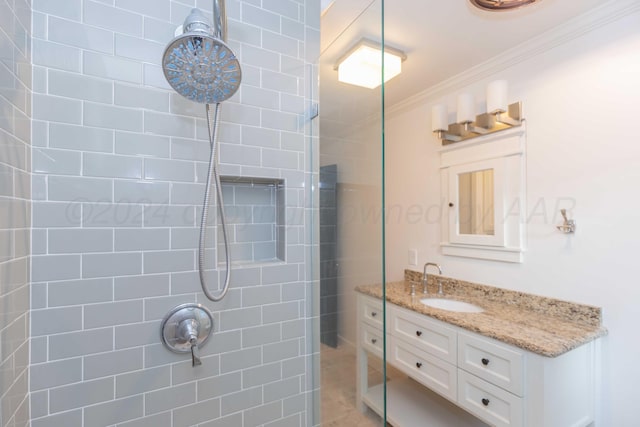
[500,5]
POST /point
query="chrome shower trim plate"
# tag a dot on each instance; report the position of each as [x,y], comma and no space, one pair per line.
[170,326]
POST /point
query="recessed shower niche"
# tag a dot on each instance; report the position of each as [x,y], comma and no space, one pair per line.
[254,213]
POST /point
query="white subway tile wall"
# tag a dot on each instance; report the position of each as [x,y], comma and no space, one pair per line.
[15,211]
[119,163]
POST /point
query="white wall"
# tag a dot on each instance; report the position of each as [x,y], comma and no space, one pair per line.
[581,104]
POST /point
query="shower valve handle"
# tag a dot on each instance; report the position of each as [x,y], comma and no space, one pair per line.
[195,353]
[189,329]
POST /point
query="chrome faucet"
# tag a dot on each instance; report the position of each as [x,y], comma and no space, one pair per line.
[424,275]
[413,288]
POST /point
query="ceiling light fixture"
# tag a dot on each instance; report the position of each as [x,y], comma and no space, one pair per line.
[362,65]
[500,5]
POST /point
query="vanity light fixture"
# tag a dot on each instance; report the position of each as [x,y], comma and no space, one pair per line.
[362,64]
[499,116]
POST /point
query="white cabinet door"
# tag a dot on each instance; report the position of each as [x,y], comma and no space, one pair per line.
[490,403]
[372,340]
[371,311]
[428,370]
[499,364]
[427,334]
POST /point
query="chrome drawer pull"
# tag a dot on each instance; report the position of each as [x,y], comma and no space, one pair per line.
[418,333]
[485,362]
[485,401]
[373,340]
[418,365]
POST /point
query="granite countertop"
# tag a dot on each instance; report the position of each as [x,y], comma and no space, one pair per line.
[545,326]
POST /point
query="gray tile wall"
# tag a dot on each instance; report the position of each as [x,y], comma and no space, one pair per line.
[328,241]
[254,217]
[119,162]
[15,210]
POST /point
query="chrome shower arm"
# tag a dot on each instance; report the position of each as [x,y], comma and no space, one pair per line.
[219,20]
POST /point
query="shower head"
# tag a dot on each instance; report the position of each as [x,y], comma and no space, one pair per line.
[198,64]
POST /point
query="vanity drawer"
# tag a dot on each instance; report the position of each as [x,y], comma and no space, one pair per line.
[371,311]
[426,334]
[499,364]
[372,340]
[488,402]
[434,373]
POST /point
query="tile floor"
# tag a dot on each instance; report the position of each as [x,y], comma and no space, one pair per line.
[338,388]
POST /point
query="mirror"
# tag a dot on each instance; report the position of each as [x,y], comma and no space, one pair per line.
[476,211]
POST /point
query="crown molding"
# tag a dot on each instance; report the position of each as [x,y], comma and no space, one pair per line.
[589,21]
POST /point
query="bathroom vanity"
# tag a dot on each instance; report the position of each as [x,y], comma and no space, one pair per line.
[506,366]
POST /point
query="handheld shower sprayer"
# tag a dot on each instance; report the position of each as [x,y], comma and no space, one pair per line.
[200,66]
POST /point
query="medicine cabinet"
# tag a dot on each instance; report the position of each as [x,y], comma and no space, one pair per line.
[483,190]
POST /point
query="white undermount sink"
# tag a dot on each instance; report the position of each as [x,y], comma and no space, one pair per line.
[451,305]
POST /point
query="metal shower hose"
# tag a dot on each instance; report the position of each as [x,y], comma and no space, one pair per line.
[212,127]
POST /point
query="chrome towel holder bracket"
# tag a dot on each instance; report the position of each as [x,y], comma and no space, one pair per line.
[569,225]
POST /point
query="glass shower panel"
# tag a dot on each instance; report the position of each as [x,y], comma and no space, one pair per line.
[350,195]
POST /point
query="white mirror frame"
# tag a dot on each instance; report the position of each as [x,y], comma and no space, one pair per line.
[505,154]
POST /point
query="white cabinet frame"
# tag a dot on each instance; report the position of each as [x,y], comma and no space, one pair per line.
[505,154]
